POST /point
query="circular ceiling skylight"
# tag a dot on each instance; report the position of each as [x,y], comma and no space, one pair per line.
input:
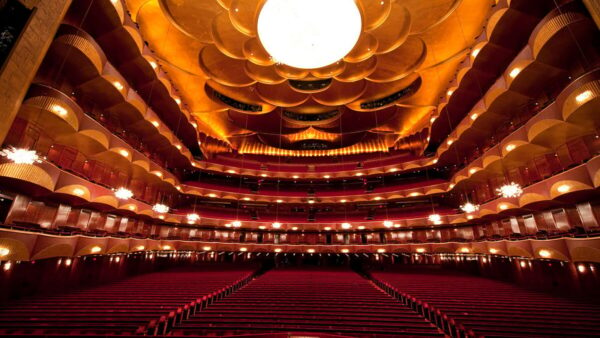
[309,34]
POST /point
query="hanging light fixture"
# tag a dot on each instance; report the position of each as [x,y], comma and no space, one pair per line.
[236,224]
[469,207]
[388,224]
[509,190]
[435,218]
[21,155]
[123,194]
[346,226]
[192,217]
[160,208]
[276,225]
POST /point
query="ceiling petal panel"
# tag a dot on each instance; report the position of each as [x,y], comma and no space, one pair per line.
[222,68]
[194,18]
[281,95]
[244,15]
[341,93]
[427,14]
[256,53]
[374,13]
[227,38]
[400,62]
[394,31]
[263,74]
[365,47]
[357,71]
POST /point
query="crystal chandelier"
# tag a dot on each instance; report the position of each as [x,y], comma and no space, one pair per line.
[123,194]
[469,207]
[160,208]
[435,218]
[510,190]
[21,155]
[192,217]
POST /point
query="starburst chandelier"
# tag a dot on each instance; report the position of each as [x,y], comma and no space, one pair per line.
[160,208]
[123,194]
[469,207]
[510,190]
[21,155]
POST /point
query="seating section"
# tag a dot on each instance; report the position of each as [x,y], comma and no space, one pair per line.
[117,308]
[490,308]
[308,300]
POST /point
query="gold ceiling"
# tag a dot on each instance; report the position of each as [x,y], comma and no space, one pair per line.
[209,46]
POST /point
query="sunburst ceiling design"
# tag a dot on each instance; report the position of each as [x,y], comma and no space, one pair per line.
[385,88]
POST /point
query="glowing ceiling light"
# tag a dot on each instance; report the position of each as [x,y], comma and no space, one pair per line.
[276,225]
[123,193]
[156,124]
[192,217]
[161,216]
[118,85]
[243,249]
[435,160]
[513,73]
[396,225]
[361,227]
[449,142]
[510,147]
[206,248]
[123,153]
[381,250]
[469,207]
[420,250]
[413,194]
[294,228]
[167,247]
[194,124]
[503,206]
[583,97]
[510,190]
[475,52]
[59,110]
[95,249]
[160,208]
[358,174]
[228,225]
[178,146]
[472,171]
[231,171]
[4,252]
[310,250]
[212,195]
[78,192]
[311,201]
[153,64]
[309,34]
[470,217]
[544,253]
[431,120]
[388,224]
[277,250]
[474,116]
[346,225]
[279,201]
[21,155]
[581,268]
[450,92]
[140,247]
[158,173]
[378,198]
[345,250]
[263,175]
[262,227]
[493,251]
[326,176]
[246,198]
[435,218]
[465,250]
[343,201]
[563,188]
[236,224]
[393,170]
[523,264]
[177,100]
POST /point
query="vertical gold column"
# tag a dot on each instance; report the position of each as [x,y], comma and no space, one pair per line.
[27,55]
[593,7]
